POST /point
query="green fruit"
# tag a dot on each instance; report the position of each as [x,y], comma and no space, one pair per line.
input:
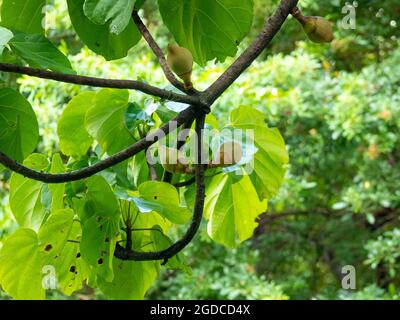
[173,160]
[318,29]
[180,60]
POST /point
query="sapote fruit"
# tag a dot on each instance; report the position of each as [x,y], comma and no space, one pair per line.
[318,29]
[180,60]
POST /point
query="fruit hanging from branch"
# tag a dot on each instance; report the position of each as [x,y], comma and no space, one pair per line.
[318,29]
[229,154]
[180,60]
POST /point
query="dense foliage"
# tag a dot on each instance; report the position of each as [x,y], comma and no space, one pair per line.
[338,205]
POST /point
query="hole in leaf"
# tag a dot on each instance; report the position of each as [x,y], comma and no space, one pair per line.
[48,247]
[100,261]
[72,269]
[78,255]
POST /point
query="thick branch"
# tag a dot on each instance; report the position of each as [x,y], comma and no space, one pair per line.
[271,28]
[101,83]
[123,254]
[119,157]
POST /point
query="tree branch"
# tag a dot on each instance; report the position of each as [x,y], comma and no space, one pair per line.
[271,28]
[101,83]
[157,51]
[123,254]
[119,157]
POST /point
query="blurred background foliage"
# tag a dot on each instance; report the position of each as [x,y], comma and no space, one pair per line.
[338,109]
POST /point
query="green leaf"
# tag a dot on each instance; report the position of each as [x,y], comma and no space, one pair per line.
[162,242]
[57,190]
[271,158]
[54,233]
[19,130]
[23,15]
[132,280]
[21,266]
[55,238]
[5,36]
[140,169]
[98,37]
[117,12]
[231,209]
[164,199]
[101,197]
[25,194]
[39,52]
[101,228]
[105,121]
[74,139]
[71,268]
[209,29]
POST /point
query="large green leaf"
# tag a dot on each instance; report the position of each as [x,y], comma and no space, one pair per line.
[19,131]
[98,37]
[209,29]
[232,208]
[54,233]
[39,52]
[132,280]
[161,242]
[164,199]
[21,266]
[25,194]
[101,227]
[74,139]
[71,268]
[105,121]
[59,245]
[5,36]
[57,190]
[271,158]
[118,12]
[23,15]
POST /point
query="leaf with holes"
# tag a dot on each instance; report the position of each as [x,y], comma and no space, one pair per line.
[101,228]
[164,199]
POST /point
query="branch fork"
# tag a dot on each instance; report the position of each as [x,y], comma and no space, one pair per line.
[200,105]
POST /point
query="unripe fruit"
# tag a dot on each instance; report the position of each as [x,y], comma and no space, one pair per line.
[173,160]
[180,60]
[318,29]
[230,153]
